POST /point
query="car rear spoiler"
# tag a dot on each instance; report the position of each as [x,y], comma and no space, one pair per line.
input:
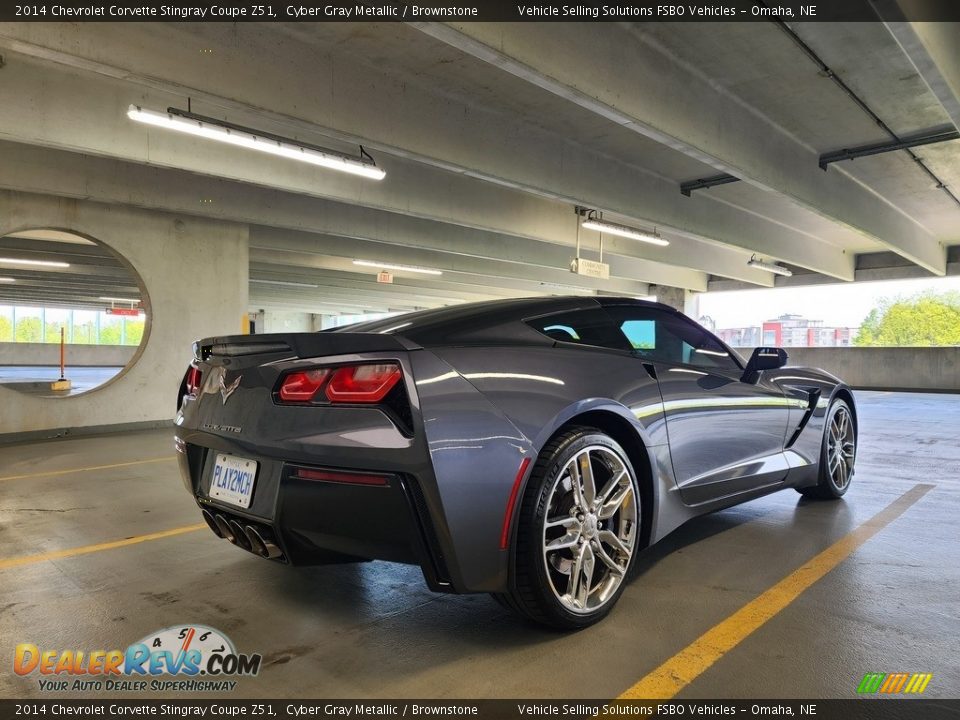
[304,345]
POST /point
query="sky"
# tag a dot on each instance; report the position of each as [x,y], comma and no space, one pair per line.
[837,305]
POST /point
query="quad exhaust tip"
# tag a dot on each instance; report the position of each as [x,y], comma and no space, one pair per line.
[211,523]
[240,537]
[261,545]
[259,541]
[225,532]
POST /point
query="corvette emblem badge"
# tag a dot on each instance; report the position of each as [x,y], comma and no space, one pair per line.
[227,390]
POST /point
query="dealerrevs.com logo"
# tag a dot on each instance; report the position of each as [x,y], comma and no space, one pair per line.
[175,659]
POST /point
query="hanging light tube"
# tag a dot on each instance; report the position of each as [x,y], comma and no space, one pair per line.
[214,129]
[401,268]
[284,283]
[769,267]
[38,263]
[653,238]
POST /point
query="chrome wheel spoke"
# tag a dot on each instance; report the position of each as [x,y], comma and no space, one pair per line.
[605,558]
[567,522]
[589,492]
[614,504]
[611,539]
[568,540]
[577,484]
[586,582]
[573,583]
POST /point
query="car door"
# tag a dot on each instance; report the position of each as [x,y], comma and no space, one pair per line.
[726,436]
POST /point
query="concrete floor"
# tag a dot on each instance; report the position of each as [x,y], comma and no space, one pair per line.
[20,377]
[375,630]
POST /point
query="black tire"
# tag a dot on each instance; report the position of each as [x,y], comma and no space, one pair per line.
[831,484]
[533,594]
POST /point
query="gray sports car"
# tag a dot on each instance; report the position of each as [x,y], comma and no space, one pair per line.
[527,448]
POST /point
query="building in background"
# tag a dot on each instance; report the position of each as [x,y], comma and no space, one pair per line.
[788,331]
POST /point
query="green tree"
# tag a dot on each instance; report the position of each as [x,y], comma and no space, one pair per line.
[6,329]
[84,333]
[53,331]
[29,329]
[110,334]
[926,319]
[134,332]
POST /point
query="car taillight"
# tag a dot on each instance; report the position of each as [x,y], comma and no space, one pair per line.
[194,378]
[302,386]
[365,383]
[362,383]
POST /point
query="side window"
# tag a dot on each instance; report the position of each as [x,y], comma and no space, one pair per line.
[584,327]
[660,335]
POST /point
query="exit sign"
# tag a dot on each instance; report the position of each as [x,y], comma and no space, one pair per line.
[128,312]
[384,277]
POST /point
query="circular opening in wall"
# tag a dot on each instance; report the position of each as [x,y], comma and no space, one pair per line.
[73,313]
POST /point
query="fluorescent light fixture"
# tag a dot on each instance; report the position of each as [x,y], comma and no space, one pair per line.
[401,268]
[132,301]
[769,267]
[37,263]
[284,283]
[7,280]
[624,231]
[213,129]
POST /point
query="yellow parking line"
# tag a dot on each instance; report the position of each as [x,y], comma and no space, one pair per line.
[688,664]
[86,549]
[50,473]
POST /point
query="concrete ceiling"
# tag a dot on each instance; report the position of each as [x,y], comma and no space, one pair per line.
[490,134]
[92,272]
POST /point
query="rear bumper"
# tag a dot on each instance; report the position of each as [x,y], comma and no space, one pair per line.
[313,522]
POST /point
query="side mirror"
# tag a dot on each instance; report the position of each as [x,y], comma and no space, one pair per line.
[763,358]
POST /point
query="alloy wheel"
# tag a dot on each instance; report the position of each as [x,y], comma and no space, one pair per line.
[841,448]
[590,529]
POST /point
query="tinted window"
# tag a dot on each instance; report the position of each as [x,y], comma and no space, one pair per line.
[663,336]
[584,327]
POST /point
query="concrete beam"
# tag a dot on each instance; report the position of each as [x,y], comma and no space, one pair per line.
[934,50]
[658,96]
[74,175]
[273,269]
[338,253]
[423,132]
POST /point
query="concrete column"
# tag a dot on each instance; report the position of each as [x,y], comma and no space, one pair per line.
[683,300]
[169,253]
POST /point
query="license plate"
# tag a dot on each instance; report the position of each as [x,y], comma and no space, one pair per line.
[233,479]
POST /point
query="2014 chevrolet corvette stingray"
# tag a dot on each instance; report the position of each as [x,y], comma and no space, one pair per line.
[528,448]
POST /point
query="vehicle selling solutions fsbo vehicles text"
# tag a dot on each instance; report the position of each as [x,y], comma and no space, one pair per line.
[623,11]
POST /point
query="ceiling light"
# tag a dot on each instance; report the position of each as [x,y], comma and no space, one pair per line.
[7,280]
[401,268]
[214,129]
[623,231]
[284,283]
[38,263]
[132,301]
[769,267]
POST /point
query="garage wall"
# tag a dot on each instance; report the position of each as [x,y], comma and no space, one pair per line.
[195,277]
[18,353]
[906,368]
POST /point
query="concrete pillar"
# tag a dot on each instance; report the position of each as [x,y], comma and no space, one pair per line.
[678,298]
[168,253]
